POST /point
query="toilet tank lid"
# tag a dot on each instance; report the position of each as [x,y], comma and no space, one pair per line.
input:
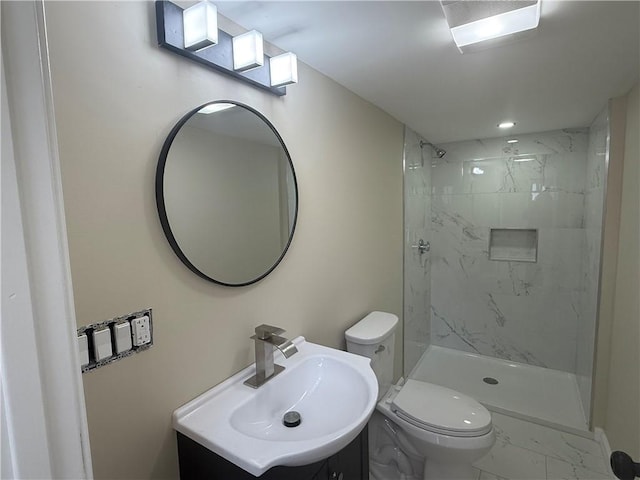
[373,328]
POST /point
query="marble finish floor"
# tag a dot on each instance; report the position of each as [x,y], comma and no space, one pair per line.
[528,451]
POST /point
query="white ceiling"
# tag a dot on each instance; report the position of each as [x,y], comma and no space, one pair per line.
[399,55]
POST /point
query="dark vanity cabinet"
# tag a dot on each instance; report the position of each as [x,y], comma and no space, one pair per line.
[200,463]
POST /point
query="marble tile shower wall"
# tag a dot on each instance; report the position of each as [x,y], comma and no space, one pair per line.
[417,267]
[519,311]
[593,219]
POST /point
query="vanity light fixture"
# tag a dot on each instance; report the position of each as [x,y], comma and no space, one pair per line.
[284,69]
[193,33]
[473,23]
[506,125]
[248,51]
[200,23]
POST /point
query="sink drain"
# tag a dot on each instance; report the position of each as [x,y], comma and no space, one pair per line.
[291,419]
[490,380]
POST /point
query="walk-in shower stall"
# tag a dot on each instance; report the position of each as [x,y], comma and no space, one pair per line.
[502,268]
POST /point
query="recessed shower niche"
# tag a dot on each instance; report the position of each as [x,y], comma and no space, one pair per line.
[513,244]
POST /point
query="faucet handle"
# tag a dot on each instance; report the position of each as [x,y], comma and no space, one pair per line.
[264,331]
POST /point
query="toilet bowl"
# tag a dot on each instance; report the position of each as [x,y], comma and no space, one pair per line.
[449,429]
[443,429]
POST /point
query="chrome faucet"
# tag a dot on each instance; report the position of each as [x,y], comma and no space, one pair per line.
[266,338]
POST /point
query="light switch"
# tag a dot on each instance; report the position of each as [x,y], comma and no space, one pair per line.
[102,344]
[83,350]
[123,337]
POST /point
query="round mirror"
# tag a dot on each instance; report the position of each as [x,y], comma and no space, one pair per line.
[227,194]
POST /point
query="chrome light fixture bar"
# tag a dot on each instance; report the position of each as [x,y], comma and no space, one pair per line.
[475,24]
[188,32]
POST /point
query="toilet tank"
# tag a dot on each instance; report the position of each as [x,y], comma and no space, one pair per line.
[374,337]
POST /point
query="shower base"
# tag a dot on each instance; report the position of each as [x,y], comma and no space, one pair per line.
[541,395]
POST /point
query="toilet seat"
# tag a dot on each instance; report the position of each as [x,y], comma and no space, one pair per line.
[441,410]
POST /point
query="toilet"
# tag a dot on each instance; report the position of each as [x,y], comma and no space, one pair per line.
[419,430]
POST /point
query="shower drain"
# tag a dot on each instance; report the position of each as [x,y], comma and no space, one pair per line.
[490,380]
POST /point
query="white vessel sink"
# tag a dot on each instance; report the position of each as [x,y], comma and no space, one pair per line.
[333,391]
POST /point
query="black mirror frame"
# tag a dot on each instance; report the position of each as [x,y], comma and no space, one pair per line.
[162,212]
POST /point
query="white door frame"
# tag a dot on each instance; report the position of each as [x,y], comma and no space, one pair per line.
[44,429]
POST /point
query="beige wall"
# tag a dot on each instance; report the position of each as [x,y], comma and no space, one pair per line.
[117,95]
[622,424]
[600,393]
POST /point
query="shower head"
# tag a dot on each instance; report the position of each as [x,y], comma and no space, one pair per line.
[438,151]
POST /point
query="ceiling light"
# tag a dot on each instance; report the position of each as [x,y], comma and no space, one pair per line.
[215,107]
[506,124]
[475,22]
[284,69]
[248,51]
[528,159]
[513,140]
[200,24]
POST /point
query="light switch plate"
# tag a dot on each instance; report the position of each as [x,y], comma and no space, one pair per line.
[113,339]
